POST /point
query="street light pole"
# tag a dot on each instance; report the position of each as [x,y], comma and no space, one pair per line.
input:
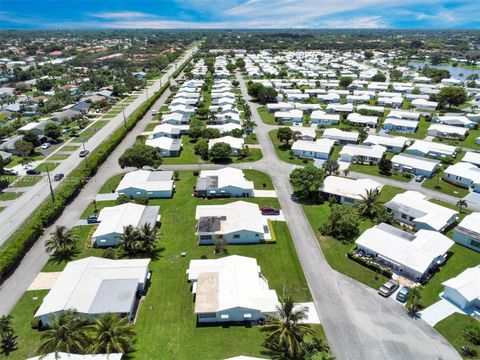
[50,183]
[146,90]
[83,144]
[124,118]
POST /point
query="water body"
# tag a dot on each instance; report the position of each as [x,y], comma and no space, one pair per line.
[455,71]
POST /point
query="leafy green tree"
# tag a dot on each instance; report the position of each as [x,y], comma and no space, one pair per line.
[307,181]
[462,204]
[141,155]
[379,77]
[452,95]
[148,238]
[220,151]
[201,148]
[129,240]
[61,240]
[267,95]
[211,133]
[342,224]
[414,301]
[285,134]
[53,131]
[385,166]
[45,84]
[331,166]
[396,74]
[369,203]
[195,130]
[6,324]
[345,81]
[240,63]
[112,334]
[254,88]
[368,54]
[9,343]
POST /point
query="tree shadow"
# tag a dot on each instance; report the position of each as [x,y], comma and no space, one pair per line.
[59,257]
[222,161]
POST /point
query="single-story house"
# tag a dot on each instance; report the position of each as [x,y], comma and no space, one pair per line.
[339,108]
[393,144]
[226,182]
[147,184]
[411,255]
[472,158]
[328,98]
[225,128]
[281,106]
[114,219]
[422,104]
[168,146]
[467,233]
[348,191]
[319,149]
[235,143]
[239,222]
[169,130]
[416,165]
[341,137]
[413,208]
[230,289]
[363,120]
[304,133]
[37,128]
[5,156]
[94,286]
[404,114]
[431,149]
[464,289]
[370,108]
[447,131]
[318,117]
[455,120]
[362,153]
[464,174]
[390,101]
[400,125]
[295,116]
[176,119]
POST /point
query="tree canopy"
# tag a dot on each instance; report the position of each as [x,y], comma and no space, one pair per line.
[141,155]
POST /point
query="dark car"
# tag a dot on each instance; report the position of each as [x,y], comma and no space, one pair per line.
[402,294]
[33,172]
[268,210]
[388,288]
[74,134]
[58,177]
[83,153]
[92,219]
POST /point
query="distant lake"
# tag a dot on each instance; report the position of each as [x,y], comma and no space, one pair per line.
[455,71]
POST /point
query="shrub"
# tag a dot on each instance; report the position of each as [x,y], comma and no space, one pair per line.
[109,253]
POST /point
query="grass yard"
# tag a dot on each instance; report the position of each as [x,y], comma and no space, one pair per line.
[445,187]
[69,148]
[58,156]
[151,126]
[43,166]
[17,160]
[10,195]
[261,181]
[283,151]
[468,142]
[111,184]
[27,181]
[451,328]
[2,208]
[373,170]
[166,324]
[421,132]
[187,156]
[267,117]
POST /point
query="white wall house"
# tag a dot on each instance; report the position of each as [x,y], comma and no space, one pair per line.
[226,182]
[230,289]
[464,174]
[467,233]
[400,125]
[236,144]
[393,144]
[431,149]
[362,153]
[304,133]
[323,119]
[319,149]
[362,120]
[341,137]
[415,164]
[169,147]
[464,289]
[94,286]
[348,191]
[447,131]
[295,116]
[422,104]
[169,130]
[147,184]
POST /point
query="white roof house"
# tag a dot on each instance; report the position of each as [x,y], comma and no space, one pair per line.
[175,119]
[168,146]
[400,125]
[472,158]
[339,108]
[340,136]
[169,130]
[305,133]
[319,149]
[227,181]
[392,143]
[294,115]
[465,174]
[455,120]
[113,219]
[146,183]
[362,153]
[238,222]
[281,106]
[467,232]
[356,118]
[447,131]
[378,109]
[67,356]
[235,143]
[230,289]
[415,164]
[349,191]
[464,289]
[403,114]
[94,286]
[423,104]
[223,128]
[413,208]
[322,118]
[411,255]
[431,149]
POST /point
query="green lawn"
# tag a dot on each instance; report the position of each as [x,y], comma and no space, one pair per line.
[468,142]
[166,324]
[251,139]
[373,170]
[111,184]
[267,117]
[451,328]
[151,126]
[187,156]
[69,148]
[421,132]
[445,187]
[2,208]
[17,160]
[283,151]
[43,166]
[260,180]
[6,196]
[27,181]
[58,156]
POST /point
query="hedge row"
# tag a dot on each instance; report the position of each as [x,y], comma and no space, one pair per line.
[371,266]
[182,67]
[15,248]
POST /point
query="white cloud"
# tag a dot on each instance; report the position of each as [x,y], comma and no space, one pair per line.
[365,22]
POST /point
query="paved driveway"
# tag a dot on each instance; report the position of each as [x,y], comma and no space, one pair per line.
[439,311]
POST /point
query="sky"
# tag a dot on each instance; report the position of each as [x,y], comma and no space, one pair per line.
[173,14]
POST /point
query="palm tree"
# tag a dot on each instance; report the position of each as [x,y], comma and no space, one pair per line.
[112,334]
[414,300]
[472,334]
[369,204]
[346,172]
[148,236]
[286,332]
[5,324]
[128,240]
[62,239]
[66,333]
[462,204]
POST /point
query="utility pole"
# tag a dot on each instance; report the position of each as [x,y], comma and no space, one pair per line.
[50,183]
[124,118]
[146,90]
[83,144]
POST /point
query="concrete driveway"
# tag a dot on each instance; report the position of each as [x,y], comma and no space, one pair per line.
[439,311]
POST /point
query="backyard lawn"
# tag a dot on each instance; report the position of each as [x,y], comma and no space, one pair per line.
[267,117]
[283,151]
[468,142]
[58,156]
[445,187]
[451,328]
[69,148]
[166,324]
[261,181]
[373,170]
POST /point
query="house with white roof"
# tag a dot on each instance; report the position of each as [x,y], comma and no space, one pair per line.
[304,133]
[416,165]
[364,154]
[93,286]
[323,119]
[225,128]
[370,108]
[413,208]
[176,119]
[295,116]
[404,114]
[169,130]
[114,219]
[319,149]
[408,255]
[362,120]
[339,108]
[147,184]
[348,191]
[467,233]
[329,98]
[455,120]
[390,101]
[447,131]
[230,289]
[431,149]
[239,222]
[393,144]
[464,289]
[463,174]
[472,158]
[281,106]
[235,143]
[341,137]
[226,182]
[169,147]
[400,125]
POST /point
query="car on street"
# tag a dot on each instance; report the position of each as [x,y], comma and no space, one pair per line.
[58,177]
[419,178]
[388,288]
[45,145]
[74,134]
[33,172]
[10,171]
[83,153]
[402,294]
[268,210]
[92,219]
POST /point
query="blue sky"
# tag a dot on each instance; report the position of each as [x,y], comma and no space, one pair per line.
[160,14]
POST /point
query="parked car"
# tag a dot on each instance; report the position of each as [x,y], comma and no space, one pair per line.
[33,172]
[419,178]
[402,294]
[268,210]
[388,288]
[45,145]
[10,171]
[92,219]
[83,153]
[58,177]
[74,134]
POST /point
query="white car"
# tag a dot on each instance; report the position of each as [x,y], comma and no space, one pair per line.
[45,146]
[10,171]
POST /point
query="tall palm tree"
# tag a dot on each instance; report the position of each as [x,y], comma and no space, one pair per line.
[148,236]
[62,239]
[112,334]
[462,204]
[368,205]
[67,333]
[128,240]
[414,300]
[5,324]
[286,332]
[472,334]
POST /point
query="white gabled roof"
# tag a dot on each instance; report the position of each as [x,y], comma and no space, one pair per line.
[164,143]
[466,171]
[337,134]
[415,162]
[386,140]
[362,119]
[430,146]
[229,176]
[350,188]
[319,146]
[471,223]
[448,129]
[415,251]
[401,122]
[467,283]
[472,157]
[294,113]
[403,114]
[147,180]
[375,151]
[305,131]
[235,143]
